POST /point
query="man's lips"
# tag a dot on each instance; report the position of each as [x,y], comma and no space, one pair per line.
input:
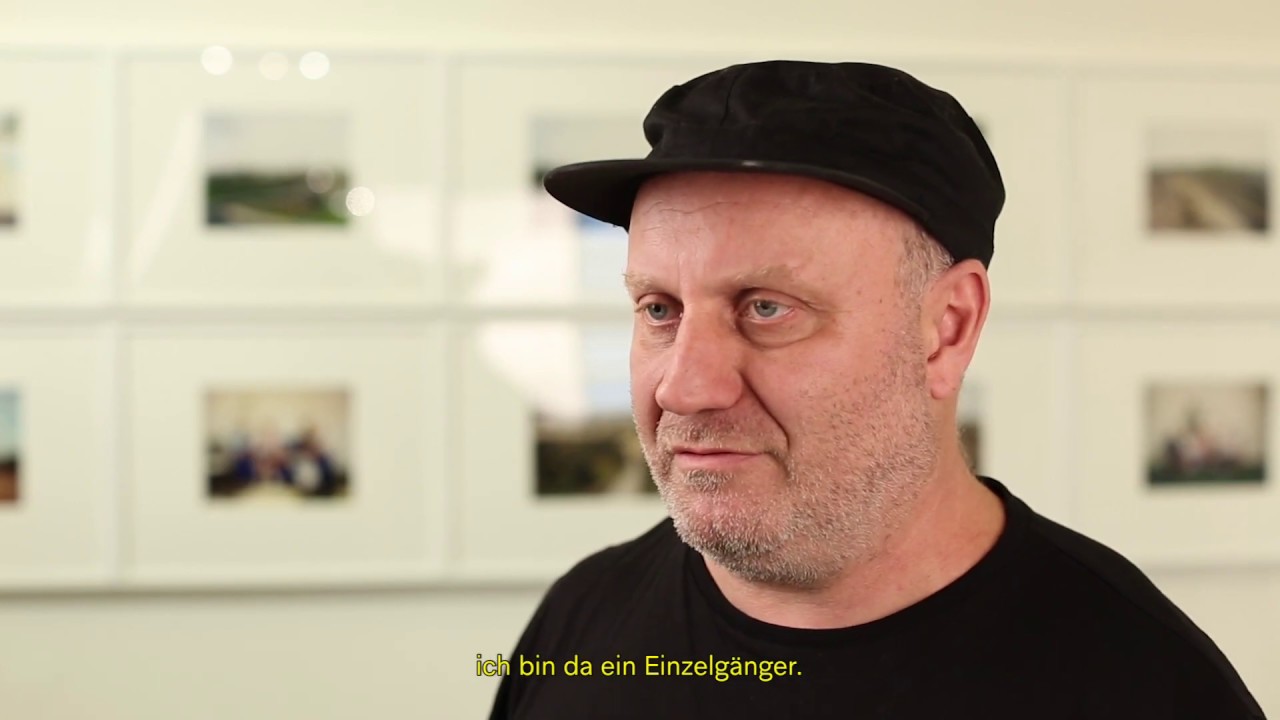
[711,458]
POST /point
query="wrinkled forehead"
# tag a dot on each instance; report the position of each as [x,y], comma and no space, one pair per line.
[731,228]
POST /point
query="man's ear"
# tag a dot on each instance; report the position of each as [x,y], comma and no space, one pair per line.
[954,310]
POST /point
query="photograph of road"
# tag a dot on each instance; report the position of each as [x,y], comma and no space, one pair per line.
[1208,180]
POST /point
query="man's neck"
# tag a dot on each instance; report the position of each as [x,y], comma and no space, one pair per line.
[954,524]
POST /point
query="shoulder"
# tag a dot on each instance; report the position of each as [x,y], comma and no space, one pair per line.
[1100,579]
[1107,611]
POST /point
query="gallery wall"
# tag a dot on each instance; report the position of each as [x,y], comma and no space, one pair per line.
[258,242]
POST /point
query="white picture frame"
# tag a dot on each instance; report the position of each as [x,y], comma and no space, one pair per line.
[1196,525]
[510,370]
[59,530]
[514,243]
[384,108]
[391,526]
[1121,260]
[57,251]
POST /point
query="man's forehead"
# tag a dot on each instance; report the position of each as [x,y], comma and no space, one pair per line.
[723,232]
[748,276]
[761,211]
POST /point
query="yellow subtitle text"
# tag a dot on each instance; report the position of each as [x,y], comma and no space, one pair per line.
[718,669]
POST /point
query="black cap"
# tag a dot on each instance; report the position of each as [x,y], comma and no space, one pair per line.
[867,127]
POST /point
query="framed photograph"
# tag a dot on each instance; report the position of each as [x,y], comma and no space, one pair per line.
[282,178]
[54,192]
[594,454]
[10,168]
[551,467]
[1206,435]
[1176,189]
[286,454]
[517,119]
[1207,182]
[1177,438]
[278,444]
[276,170]
[1023,115]
[10,446]
[56,476]
[1011,411]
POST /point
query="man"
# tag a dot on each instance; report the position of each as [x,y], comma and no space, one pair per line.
[807,256]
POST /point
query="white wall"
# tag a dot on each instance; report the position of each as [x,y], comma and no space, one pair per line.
[1137,28]
[391,655]
[408,654]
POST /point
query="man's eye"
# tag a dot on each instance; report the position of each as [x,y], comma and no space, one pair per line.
[766,308]
[657,311]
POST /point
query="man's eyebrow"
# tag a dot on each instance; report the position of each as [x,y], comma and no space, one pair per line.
[638,283]
[767,275]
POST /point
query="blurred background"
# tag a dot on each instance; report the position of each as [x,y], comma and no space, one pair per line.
[307,391]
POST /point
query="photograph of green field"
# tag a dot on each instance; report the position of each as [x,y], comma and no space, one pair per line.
[276,170]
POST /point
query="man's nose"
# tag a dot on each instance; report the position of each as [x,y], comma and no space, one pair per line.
[701,368]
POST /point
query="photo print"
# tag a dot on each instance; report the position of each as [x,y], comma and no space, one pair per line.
[561,140]
[587,445]
[969,417]
[10,447]
[276,170]
[278,445]
[598,455]
[1206,434]
[1208,179]
[9,169]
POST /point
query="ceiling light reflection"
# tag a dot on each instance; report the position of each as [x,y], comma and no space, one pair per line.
[314,65]
[217,60]
[360,201]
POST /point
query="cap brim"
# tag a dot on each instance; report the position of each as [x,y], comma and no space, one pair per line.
[606,189]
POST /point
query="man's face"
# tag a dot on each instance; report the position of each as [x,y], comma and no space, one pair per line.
[769,322]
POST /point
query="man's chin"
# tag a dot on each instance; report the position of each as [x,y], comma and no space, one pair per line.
[723,507]
[724,545]
[752,557]
[725,526]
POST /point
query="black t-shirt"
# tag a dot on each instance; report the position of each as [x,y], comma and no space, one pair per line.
[1048,625]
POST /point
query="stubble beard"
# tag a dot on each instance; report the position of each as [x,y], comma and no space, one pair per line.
[831,510]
